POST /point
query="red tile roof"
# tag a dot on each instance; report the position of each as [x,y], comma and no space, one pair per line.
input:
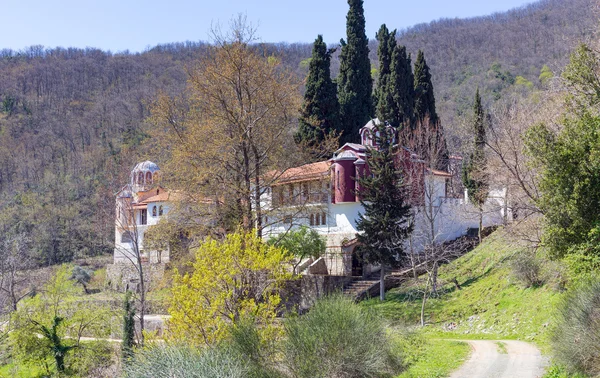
[305,172]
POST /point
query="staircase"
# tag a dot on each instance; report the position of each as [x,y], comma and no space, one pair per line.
[359,288]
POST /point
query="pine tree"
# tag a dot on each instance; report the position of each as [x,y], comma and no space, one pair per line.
[424,97]
[474,172]
[319,115]
[385,223]
[384,91]
[355,85]
[402,79]
[128,328]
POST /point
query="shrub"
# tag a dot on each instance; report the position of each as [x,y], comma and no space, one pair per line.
[338,338]
[576,338]
[176,361]
[527,269]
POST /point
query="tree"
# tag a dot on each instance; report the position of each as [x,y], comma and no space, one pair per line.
[15,259]
[385,106]
[231,280]
[475,177]
[128,327]
[385,222]
[424,97]
[302,243]
[82,276]
[320,112]
[355,84]
[229,130]
[402,81]
[51,325]
[127,225]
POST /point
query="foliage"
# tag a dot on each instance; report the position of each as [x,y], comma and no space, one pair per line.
[355,84]
[82,276]
[474,172]
[520,80]
[230,129]
[231,279]
[424,97]
[526,268]
[302,243]
[576,335]
[49,327]
[385,221]
[569,163]
[488,305]
[320,112]
[385,108]
[545,75]
[337,338]
[182,361]
[128,327]
[402,82]
[581,76]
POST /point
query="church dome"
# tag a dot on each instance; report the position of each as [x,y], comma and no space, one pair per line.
[143,175]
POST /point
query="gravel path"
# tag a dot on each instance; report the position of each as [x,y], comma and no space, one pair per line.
[502,359]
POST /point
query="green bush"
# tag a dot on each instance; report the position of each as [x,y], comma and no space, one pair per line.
[576,338]
[338,338]
[176,361]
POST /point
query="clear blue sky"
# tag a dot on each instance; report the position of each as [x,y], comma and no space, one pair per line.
[118,25]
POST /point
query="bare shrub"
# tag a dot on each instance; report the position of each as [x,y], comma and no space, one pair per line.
[527,269]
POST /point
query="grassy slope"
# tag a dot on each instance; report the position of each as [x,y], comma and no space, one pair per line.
[490,305]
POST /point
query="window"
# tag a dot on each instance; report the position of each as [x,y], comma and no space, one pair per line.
[143,216]
[323,219]
[141,178]
[160,211]
[153,211]
[126,237]
[318,220]
[338,181]
[148,178]
[312,219]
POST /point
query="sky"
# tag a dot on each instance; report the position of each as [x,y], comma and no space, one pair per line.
[136,25]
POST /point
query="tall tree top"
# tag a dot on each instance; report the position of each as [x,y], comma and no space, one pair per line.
[319,115]
[355,84]
[479,120]
[424,97]
[386,109]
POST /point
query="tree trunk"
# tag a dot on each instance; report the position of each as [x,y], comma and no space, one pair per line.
[434,276]
[382,283]
[480,223]
[425,292]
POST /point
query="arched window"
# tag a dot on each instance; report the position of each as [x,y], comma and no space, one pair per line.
[312,219]
[323,218]
[160,211]
[153,211]
[148,178]
[141,178]
[318,220]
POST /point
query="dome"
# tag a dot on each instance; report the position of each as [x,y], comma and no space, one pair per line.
[144,175]
[146,166]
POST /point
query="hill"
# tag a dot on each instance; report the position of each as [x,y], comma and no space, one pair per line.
[73,121]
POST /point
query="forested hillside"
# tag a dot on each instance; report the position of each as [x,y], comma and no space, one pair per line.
[72,121]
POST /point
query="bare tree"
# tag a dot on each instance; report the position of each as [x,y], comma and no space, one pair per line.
[15,259]
[130,247]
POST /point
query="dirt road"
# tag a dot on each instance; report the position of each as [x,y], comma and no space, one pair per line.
[502,359]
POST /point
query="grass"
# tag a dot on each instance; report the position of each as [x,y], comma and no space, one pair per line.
[491,304]
[432,358]
[501,347]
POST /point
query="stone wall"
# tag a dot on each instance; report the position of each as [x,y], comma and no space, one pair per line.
[122,277]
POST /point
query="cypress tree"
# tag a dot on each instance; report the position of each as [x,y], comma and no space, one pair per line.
[424,97]
[384,91]
[474,174]
[355,85]
[402,79]
[385,223]
[128,328]
[319,114]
